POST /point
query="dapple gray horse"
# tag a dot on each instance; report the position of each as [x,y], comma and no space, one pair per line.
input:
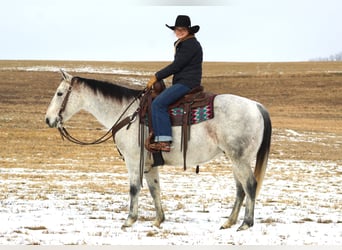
[241,130]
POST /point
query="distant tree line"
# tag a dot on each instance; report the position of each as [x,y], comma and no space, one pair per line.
[331,58]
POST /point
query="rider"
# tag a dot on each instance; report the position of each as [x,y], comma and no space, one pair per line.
[187,73]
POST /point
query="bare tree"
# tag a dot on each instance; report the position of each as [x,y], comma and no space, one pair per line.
[332,58]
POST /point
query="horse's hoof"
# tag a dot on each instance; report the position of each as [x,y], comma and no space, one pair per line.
[159,221]
[156,224]
[244,226]
[125,226]
[227,225]
[129,222]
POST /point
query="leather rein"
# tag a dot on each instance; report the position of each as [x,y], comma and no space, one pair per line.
[119,124]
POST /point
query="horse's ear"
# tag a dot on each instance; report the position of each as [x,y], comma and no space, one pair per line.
[65,75]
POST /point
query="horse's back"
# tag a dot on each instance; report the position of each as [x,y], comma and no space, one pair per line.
[230,100]
[237,122]
[233,108]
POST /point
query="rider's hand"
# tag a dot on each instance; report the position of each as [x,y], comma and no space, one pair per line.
[152,81]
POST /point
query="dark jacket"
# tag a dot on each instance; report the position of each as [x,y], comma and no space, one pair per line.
[187,65]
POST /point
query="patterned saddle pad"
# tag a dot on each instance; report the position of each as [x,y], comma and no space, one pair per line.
[201,110]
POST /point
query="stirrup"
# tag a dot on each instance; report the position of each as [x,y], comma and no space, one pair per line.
[148,142]
[160,146]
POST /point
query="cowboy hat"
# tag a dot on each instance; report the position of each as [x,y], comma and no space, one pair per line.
[184,21]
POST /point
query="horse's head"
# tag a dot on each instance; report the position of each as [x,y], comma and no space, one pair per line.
[64,102]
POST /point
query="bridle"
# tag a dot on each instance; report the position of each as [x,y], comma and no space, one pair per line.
[64,103]
[119,124]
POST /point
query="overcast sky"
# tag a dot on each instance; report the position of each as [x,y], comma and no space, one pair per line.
[134,30]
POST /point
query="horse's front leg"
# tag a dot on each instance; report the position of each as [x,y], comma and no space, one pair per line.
[134,190]
[152,178]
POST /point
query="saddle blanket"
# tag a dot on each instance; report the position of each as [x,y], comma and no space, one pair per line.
[198,114]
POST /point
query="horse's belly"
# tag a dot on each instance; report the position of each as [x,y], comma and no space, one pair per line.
[202,146]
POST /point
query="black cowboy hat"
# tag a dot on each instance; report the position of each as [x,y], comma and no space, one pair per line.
[184,21]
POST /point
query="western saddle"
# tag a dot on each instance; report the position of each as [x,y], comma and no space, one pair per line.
[196,98]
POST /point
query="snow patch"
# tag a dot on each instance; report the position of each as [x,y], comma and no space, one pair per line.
[300,203]
[92,69]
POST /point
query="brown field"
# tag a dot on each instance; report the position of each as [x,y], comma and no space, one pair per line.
[300,96]
[303,98]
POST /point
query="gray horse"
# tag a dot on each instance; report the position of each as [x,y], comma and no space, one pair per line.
[241,130]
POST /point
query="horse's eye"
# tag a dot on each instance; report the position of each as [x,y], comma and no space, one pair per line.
[59,94]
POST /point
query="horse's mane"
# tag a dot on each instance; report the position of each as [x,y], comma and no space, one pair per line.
[108,89]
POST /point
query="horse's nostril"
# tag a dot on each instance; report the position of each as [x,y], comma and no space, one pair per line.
[47,121]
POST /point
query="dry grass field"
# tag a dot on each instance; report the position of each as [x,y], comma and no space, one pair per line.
[305,103]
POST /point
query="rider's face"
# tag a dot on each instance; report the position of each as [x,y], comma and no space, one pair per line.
[181,32]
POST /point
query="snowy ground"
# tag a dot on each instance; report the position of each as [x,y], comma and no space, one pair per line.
[288,211]
[81,69]
[125,75]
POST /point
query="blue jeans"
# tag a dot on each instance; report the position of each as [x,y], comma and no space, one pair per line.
[161,121]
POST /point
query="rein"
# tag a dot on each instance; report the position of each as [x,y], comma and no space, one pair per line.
[115,128]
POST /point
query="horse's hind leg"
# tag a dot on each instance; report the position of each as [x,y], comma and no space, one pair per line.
[152,178]
[240,195]
[250,189]
[246,186]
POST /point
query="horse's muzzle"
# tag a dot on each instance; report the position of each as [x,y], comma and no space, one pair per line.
[47,121]
[50,123]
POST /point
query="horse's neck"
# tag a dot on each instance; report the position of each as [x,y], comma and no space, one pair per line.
[106,110]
